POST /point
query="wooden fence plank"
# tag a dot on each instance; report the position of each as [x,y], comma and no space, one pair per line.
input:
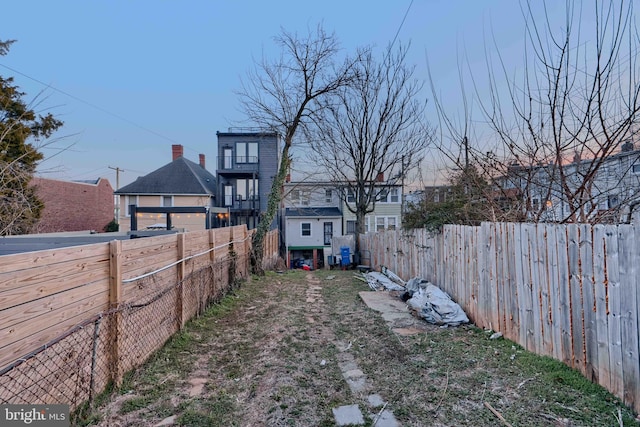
[612,268]
[45,281]
[575,297]
[536,286]
[545,290]
[31,325]
[501,279]
[519,249]
[588,298]
[482,316]
[514,316]
[554,290]
[29,260]
[564,296]
[628,271]
[601,291]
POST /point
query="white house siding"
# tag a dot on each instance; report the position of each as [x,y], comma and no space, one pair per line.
[382,210]
[295,241]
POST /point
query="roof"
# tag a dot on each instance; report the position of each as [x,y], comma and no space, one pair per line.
[181,176]
[248,132]
[313,212]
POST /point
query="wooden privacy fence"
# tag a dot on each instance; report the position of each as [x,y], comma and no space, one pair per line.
[74,320]
[565,291]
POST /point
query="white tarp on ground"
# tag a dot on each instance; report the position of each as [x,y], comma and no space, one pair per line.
[434,305]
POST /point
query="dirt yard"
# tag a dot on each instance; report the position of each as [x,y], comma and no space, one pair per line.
[288,349]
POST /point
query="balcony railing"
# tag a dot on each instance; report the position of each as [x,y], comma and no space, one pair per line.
[251,204]
[238,163]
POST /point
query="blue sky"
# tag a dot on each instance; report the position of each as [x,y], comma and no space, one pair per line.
[131,78]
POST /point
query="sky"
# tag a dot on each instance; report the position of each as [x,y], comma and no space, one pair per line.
[131,78]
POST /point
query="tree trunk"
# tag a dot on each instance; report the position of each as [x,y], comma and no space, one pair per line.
[275,196]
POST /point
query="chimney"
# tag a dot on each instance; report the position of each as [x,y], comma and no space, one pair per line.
[202,161]
[177,151]
[380,177]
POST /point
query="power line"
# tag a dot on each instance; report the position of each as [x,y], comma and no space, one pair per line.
[402,23]
[124,119]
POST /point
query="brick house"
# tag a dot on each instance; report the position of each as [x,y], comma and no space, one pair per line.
[74,205]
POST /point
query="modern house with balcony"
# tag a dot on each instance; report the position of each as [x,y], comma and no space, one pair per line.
[247,165]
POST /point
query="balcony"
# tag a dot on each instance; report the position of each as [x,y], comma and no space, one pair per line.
[243,205]
[238,164]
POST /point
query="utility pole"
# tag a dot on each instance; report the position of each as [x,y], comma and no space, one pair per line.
[118,170]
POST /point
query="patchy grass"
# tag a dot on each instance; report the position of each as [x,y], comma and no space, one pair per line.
[268,355]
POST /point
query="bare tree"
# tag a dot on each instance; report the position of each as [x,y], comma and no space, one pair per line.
[281,96]
[372,132]
[559,122]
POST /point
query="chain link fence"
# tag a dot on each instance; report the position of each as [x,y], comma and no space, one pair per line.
[85,361]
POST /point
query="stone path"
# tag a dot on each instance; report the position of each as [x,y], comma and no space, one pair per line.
[400,320]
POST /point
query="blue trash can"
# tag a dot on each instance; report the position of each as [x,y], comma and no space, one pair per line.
[346,256]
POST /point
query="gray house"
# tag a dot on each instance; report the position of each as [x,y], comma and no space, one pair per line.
[605,189]
[247,165]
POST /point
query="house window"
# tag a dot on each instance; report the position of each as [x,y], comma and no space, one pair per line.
[241,189]
[167,201]
[228,158]
[253,189]
[327,196]
[382,196]
[394,195]
[328,233]
[635,168]
[436,197]
[613,201]
[305,229]
[351,198]
[535,204]
[246,152]
[300,198]
[351,227]
[386,223]
[247,189]
[228,195]
[391,223]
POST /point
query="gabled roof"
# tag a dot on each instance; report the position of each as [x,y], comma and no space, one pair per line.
[313,212]
[181,176]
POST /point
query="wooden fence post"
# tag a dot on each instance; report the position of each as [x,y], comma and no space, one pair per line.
[115,298]
[212,260]
[180,277]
